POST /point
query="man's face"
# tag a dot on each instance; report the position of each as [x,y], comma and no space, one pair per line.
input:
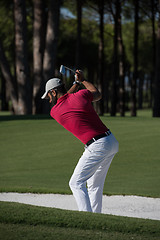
[52,94]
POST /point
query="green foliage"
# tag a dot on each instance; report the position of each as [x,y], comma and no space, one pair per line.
[7,29]
[108,42]
[67,42]
[90,36]
[145,45]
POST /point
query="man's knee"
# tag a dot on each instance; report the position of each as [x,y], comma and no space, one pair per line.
[74,183]
[71,183]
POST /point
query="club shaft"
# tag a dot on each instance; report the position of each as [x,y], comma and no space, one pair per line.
[70,69]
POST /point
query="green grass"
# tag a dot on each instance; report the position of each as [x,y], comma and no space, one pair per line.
[38,155]
[18,221]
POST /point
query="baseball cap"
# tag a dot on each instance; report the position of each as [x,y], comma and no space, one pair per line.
[52,83]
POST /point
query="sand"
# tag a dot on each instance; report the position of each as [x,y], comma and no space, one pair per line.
[130,206]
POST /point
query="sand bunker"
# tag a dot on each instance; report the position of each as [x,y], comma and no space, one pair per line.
[130,206]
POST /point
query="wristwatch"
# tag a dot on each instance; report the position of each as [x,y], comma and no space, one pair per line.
[76,82]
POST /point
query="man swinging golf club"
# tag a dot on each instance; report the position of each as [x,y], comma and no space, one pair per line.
[74,111]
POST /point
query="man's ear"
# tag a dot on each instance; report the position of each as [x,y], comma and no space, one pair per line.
[54,92]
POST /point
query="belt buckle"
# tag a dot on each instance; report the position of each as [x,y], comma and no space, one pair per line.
[108,132]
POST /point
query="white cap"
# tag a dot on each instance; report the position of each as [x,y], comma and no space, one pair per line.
[52,83]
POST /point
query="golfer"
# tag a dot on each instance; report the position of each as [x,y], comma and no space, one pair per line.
[74,111]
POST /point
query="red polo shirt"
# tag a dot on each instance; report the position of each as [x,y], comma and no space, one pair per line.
[76,114]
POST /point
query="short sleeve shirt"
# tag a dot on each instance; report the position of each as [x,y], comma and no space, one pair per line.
[76,114]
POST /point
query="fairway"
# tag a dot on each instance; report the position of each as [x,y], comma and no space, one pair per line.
[38,155]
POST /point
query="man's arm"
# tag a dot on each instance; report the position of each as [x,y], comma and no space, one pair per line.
[88,85]
[74,88]
[95,92]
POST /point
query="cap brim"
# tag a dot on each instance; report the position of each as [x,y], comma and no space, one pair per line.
[44,95]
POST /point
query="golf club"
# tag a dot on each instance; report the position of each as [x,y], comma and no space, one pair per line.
[63,69]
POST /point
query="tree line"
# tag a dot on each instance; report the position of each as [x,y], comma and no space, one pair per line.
[115,42]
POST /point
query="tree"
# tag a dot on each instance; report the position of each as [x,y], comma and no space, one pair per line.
[50,52]
[153,48]
[79,31]
[135,73]
[101,55]
[121,60]
[98,7]
[115,67]
[22,68]
[38,52]
[93,33]
[10,82]
[156,107]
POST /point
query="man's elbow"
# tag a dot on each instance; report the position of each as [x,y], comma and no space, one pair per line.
[100,96]
[97,96]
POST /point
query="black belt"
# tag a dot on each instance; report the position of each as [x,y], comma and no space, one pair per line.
[98,137]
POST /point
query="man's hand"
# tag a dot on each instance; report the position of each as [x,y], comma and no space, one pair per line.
[79,76]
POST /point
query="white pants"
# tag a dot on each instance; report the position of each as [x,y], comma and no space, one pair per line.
[92,169]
